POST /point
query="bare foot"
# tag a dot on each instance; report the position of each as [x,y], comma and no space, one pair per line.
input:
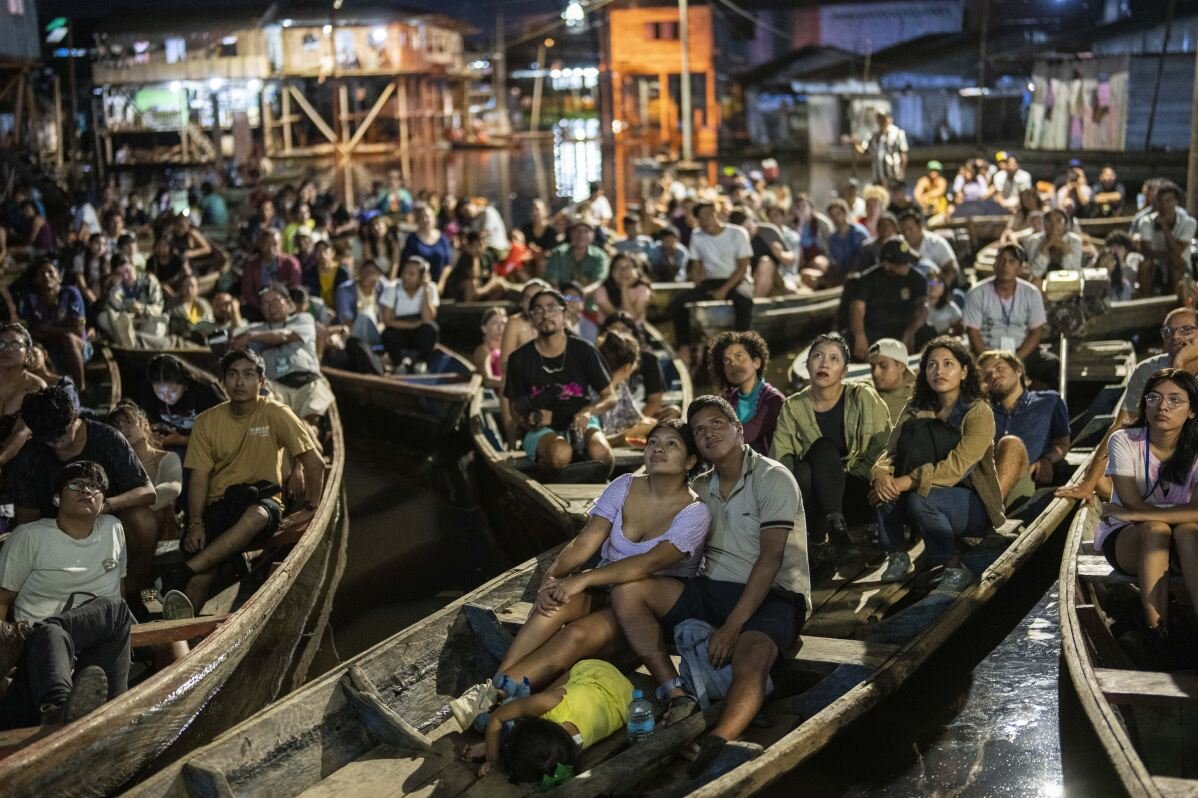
[474,752]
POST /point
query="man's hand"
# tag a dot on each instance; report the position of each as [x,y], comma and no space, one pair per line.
[861,347]
[240,341]
[538,418]
[1041,471]
[581,419]
[721,644]
[295,483]
[195,538]
[886,488]
[720,294]
[1187,357]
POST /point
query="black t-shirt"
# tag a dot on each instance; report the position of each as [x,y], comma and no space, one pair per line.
[649,375]
[31,475]
[890,302]
[831,425]
[181,416]
[561,384]
[548,239]
[165,271]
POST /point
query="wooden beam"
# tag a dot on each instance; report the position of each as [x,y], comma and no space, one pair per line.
[405,162]
[287,120]
[369,120]
[1147,687]
[160,633]
[383,723]
[321,125]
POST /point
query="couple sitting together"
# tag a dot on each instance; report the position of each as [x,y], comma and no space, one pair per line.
[646,538]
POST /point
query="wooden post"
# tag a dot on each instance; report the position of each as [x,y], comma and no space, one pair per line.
[537,83]
[1160,72]
[218,155]
[19,111]
[684,83]
[343,153]
[268,123]
[286,119]
[664,107]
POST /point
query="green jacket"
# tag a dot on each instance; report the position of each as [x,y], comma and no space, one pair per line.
[975,449]
[866,427]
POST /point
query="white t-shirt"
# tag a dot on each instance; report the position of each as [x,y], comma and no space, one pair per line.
[1127,455]
[1009,189]
[44,565]
[944,317]
[936,249]
[719,253]
[1039,260]
[292,357]
[1004,323]
[397,299]
[1184,228]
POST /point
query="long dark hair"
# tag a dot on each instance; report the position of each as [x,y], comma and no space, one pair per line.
[688,440]
[925,397]
[168,368]
[614,293]
[1175,470]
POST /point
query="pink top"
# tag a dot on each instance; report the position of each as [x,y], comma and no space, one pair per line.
[687,531]
[1128,453]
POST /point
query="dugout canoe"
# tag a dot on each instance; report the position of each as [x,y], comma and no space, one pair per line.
[380,722]
[429,406]
[780,320]
[1139,716]
[245,659]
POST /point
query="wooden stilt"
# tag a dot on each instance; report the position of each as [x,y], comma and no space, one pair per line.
[286,119]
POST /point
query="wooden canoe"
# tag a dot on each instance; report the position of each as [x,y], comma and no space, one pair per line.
[244,661]
[780,320]
[1139,716]
[134,362]
[379,724]
[429,406]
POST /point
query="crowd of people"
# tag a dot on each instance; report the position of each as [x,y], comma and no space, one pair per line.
[745,497]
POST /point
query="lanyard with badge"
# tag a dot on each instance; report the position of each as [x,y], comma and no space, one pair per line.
[1006,342]
[1147,461]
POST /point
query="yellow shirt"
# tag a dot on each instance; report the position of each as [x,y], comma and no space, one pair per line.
[238,450]
[596,701]
[327,285]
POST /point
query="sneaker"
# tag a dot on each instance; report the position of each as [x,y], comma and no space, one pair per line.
[898,563]
[12,644]
[954,580]
[176,606]
[404,367]
[420,368]
[90,690]
[472,703]
[821,559]
[838,535]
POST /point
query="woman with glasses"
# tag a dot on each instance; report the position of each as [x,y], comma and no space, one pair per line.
[943,313]
[941,496]
[1151,521]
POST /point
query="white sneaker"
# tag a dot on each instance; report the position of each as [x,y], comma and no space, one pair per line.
[472,703]
[420,368]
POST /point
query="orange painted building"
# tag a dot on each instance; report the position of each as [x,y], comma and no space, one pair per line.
[644,58]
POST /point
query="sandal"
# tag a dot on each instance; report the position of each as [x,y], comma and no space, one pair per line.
[679,708]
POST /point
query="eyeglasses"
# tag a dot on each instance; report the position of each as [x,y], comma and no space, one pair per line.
[551,310]
[84,485]
[1185,329]
[1173,402]
[11,345]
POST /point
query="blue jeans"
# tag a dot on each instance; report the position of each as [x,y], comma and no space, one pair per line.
[941,517]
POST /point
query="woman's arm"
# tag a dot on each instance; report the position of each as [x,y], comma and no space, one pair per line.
[977,436]
[199,246]
[532,707]
[604,301]
[581,548]
[629,569]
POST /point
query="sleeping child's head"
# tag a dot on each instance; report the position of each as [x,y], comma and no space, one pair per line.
[535,747]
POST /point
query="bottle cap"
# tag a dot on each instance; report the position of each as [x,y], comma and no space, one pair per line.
[637,694]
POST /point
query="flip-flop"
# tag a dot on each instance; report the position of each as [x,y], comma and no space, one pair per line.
[679,708]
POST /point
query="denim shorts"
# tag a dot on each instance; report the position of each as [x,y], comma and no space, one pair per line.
[533,436]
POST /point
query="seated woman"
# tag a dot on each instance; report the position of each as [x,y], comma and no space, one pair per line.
[173,394]
[486,354]
[641,525]
[626,288]
[16,382]
[326,274]
[167,265]
[357,303]
[1153,513]
[1056,248]
[942,499]
[648,381]
[944,315]
[737,360]
[830,434]
[410,316]
[190,315]
[624,424]
[132,315]
[1019,226]
[1121,261]
[165,468]
[380,243]
[57,317]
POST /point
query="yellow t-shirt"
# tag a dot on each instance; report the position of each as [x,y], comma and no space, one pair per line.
[327,284]
[596,700]
[238,450]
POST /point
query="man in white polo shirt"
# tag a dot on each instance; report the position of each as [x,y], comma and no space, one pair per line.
[1164,237]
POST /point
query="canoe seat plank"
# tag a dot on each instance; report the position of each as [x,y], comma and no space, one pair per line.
[383,723]
[1095,568]
[1176,788]
[161,633]
[1147,687]
[1098,635]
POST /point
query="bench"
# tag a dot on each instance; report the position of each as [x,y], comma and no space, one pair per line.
[1147,687]
[161,633]
[1095,568]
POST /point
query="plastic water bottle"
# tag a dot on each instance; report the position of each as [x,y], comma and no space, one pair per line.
[640,718]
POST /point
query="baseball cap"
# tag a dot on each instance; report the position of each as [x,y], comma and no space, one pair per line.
[935,166]
[896,250]
[1075,162]
[891,348]
[1000,156]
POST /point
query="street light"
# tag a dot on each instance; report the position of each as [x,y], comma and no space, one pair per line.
[574,15]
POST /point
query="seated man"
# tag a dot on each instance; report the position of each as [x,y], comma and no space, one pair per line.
[668,259]
[61,437]
[635,242]
[892,376]
[578,259]
[1164,237]
[1031,428]
[754,586]
[234,496]
[1007,313]
[547,383]
[286,342]
[270,266]
[63,578]
[929,247]
[890,301]
[133,307]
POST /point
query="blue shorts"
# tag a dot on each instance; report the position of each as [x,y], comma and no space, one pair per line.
[780,616]
[533,437]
